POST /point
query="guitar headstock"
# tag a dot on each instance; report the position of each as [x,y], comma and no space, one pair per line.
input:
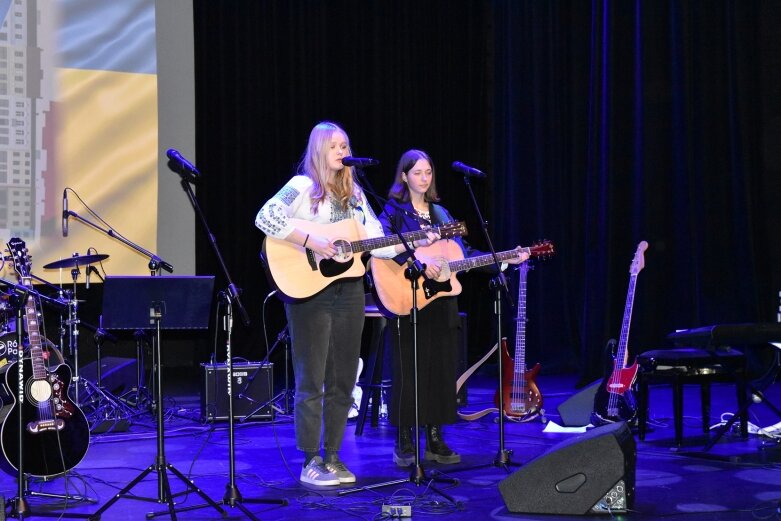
[20,256]
[638,262]
[542,250]
[453,229]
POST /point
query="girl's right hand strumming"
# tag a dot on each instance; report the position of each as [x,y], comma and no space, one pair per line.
[321,246]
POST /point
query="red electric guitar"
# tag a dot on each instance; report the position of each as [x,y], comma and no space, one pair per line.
[614,400]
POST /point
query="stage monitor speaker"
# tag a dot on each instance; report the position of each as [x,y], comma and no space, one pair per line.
[575,411]
[214,393]
[591,474]
[117,375]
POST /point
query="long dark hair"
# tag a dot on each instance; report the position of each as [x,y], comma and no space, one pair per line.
[399,189]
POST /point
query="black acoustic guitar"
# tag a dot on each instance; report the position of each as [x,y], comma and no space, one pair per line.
[55,432]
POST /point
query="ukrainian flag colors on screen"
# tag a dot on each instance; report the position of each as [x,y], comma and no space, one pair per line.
[78,109]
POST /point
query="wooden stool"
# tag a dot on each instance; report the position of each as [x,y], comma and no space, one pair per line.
[681,366]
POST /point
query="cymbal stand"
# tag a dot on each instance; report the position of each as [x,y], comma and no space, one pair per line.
[73,333]
[102,404]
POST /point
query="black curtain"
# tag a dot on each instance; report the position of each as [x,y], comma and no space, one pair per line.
[600,124]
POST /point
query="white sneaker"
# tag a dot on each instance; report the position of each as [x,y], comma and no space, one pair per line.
[342,473]
[315,473]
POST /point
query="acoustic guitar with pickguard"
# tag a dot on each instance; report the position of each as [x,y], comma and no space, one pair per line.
[298,272]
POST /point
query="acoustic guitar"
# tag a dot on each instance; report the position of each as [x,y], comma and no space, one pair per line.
[392,289]
[55,432]
[298,272]
[614,400]
[522,399]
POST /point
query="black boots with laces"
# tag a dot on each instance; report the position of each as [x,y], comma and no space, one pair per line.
[436,448]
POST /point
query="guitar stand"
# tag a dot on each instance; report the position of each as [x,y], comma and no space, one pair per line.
[418,474]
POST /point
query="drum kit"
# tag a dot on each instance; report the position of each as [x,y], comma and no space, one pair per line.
[104,410]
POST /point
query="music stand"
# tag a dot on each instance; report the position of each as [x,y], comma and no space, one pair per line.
[171,302]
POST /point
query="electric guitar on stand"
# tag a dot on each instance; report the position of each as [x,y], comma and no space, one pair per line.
[55,436]
[614,401]
[522,399]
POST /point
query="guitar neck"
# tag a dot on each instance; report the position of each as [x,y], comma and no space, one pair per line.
[520,322]
[483,260]
[622,352]
[34,336]
[388,240]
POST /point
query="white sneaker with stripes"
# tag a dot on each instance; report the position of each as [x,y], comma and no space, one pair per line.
[316,473]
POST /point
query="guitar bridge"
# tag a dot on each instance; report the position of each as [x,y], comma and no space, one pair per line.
[38,427]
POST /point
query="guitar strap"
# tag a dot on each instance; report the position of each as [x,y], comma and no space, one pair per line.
[462,380]
[438,214]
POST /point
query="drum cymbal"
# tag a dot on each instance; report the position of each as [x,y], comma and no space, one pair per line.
[78,260]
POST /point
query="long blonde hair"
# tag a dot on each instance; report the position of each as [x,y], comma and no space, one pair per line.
[314,165]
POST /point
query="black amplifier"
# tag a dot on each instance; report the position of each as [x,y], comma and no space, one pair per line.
[214,392]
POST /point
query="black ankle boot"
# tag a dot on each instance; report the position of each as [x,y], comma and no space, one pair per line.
[436,448]
[404,451]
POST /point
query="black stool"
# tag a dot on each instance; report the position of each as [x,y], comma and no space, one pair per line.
[681,366]
[372,383]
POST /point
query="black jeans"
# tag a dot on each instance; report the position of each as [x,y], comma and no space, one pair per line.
[325,333]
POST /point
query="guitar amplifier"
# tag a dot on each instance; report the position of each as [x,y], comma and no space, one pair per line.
[214,392]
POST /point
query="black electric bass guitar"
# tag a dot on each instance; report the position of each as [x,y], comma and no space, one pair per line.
[614,400]
[55,432]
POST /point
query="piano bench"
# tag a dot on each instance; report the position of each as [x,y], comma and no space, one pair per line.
[689,365]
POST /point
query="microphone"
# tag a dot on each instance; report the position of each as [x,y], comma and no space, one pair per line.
[65,213]
[468,171]
[360,162]
[89,268]
[180,165]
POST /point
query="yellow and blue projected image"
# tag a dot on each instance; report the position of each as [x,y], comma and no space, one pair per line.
[78,115]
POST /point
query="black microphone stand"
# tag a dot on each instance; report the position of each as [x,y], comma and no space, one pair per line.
[413,273]
[498,285]
[155,262]
[232,497]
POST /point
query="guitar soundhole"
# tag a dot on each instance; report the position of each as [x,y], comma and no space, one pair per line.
[344,251]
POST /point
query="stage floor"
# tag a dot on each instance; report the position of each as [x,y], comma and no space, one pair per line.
[737,479]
